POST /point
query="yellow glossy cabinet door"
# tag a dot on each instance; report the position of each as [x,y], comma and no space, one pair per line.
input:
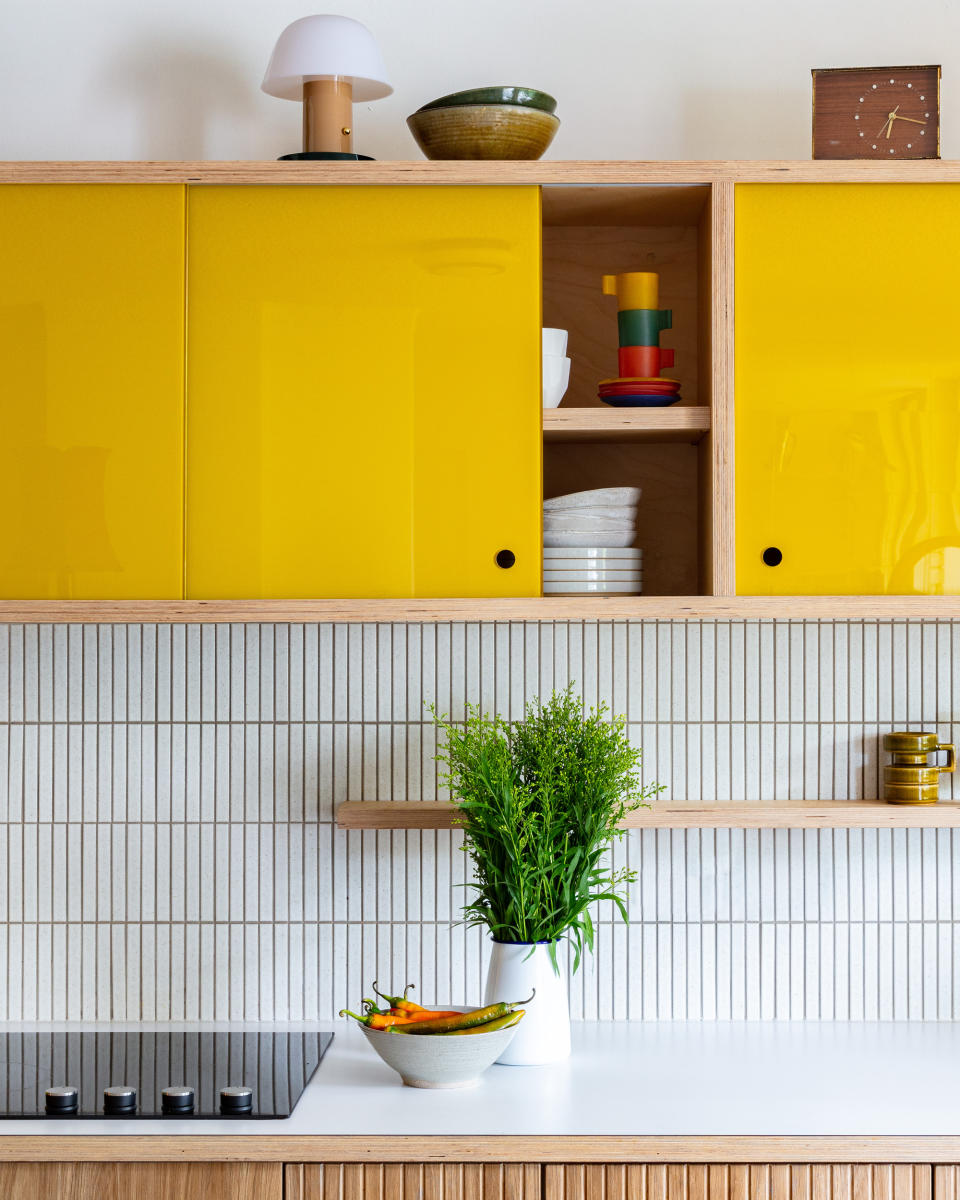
[848,388]
[363,391]
[91,392]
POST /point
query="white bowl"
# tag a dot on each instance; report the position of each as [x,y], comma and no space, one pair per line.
[427,1060]
[554,342]
[565,523]
[589,554]
[617,512]
[608,589]
[617,496]
[608,540]
[556,379]
[574,566]
[593,576]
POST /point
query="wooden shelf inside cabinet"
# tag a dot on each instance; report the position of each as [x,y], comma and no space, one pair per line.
[795,814]
[684,424]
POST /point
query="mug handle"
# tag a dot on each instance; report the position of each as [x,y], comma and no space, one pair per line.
[951,754]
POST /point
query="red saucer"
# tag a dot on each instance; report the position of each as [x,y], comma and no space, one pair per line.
[650,387]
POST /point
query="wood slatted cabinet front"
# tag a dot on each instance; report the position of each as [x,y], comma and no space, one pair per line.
[738,1181]
[413,1181]
[946,1182]
[141,1181]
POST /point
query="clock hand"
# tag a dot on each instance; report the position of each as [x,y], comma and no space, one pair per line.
[893,117]
[912,120]
[886,128]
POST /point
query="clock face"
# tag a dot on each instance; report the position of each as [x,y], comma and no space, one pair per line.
[901,113]
[882,113]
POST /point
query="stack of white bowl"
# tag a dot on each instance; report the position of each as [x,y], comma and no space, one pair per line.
[587,540]
[556,367]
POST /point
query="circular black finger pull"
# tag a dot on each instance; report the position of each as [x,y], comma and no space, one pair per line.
[772,556]
[506,558]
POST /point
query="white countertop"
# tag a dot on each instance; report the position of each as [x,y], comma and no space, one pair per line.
[627,1079]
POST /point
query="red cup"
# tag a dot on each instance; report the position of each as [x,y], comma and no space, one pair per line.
[644,360]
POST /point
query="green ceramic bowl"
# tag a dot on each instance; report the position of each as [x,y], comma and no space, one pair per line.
[483,131]
[528,97]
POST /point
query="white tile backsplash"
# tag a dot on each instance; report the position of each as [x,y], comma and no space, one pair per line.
[167,847]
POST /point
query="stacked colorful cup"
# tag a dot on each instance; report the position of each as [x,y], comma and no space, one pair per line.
[641,359]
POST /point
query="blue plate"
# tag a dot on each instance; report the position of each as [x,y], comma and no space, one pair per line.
[640,401]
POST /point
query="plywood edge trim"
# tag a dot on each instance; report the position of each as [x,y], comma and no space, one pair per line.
[587,172]
[556,608]
[519,1149]
[810,814]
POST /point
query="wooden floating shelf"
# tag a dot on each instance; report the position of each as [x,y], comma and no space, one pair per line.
[680,424]
[796,814]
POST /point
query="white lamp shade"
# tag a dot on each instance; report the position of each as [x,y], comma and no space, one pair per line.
[323,46]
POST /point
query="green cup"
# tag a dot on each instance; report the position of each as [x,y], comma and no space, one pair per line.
[643,326]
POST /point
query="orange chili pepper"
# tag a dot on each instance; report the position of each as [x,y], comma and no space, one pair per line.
[400,1002]
[386,1020]
[376,1020]
[425,1014]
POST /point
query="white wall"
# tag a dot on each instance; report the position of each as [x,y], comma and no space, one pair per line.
[173,79]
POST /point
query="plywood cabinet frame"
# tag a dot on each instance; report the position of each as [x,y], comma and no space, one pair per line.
[927,1151]
[681,184]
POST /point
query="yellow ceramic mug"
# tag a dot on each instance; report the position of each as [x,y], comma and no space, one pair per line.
[910,779]
[633,289]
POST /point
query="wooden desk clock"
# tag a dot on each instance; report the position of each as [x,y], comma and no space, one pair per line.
[876,112]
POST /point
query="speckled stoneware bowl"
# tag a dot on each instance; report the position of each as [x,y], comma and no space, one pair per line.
[426,1060]
[501,94]
[483,131]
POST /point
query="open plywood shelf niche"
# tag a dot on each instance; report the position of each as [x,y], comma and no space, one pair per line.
[674,453]
[796,814]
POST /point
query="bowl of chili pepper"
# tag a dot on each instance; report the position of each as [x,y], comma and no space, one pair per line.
[438,1047]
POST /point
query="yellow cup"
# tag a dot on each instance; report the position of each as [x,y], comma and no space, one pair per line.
[909,778]
[633,289]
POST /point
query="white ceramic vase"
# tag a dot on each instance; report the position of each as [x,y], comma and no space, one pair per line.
[517,969]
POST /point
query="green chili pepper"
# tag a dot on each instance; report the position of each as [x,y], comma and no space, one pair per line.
[466,1020]
[504,1022]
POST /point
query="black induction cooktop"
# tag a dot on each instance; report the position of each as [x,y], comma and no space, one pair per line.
[182,1074]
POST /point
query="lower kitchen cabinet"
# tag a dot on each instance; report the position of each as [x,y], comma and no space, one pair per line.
[141,1181]
[621,1181]
[738,1181]
[413,1181]
[946,1182]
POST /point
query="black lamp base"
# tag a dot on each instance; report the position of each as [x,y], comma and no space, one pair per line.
[324,156]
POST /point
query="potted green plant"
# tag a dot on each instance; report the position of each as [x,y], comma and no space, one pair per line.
[540,801]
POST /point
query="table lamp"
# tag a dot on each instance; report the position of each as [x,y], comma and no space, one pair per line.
[328,62]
